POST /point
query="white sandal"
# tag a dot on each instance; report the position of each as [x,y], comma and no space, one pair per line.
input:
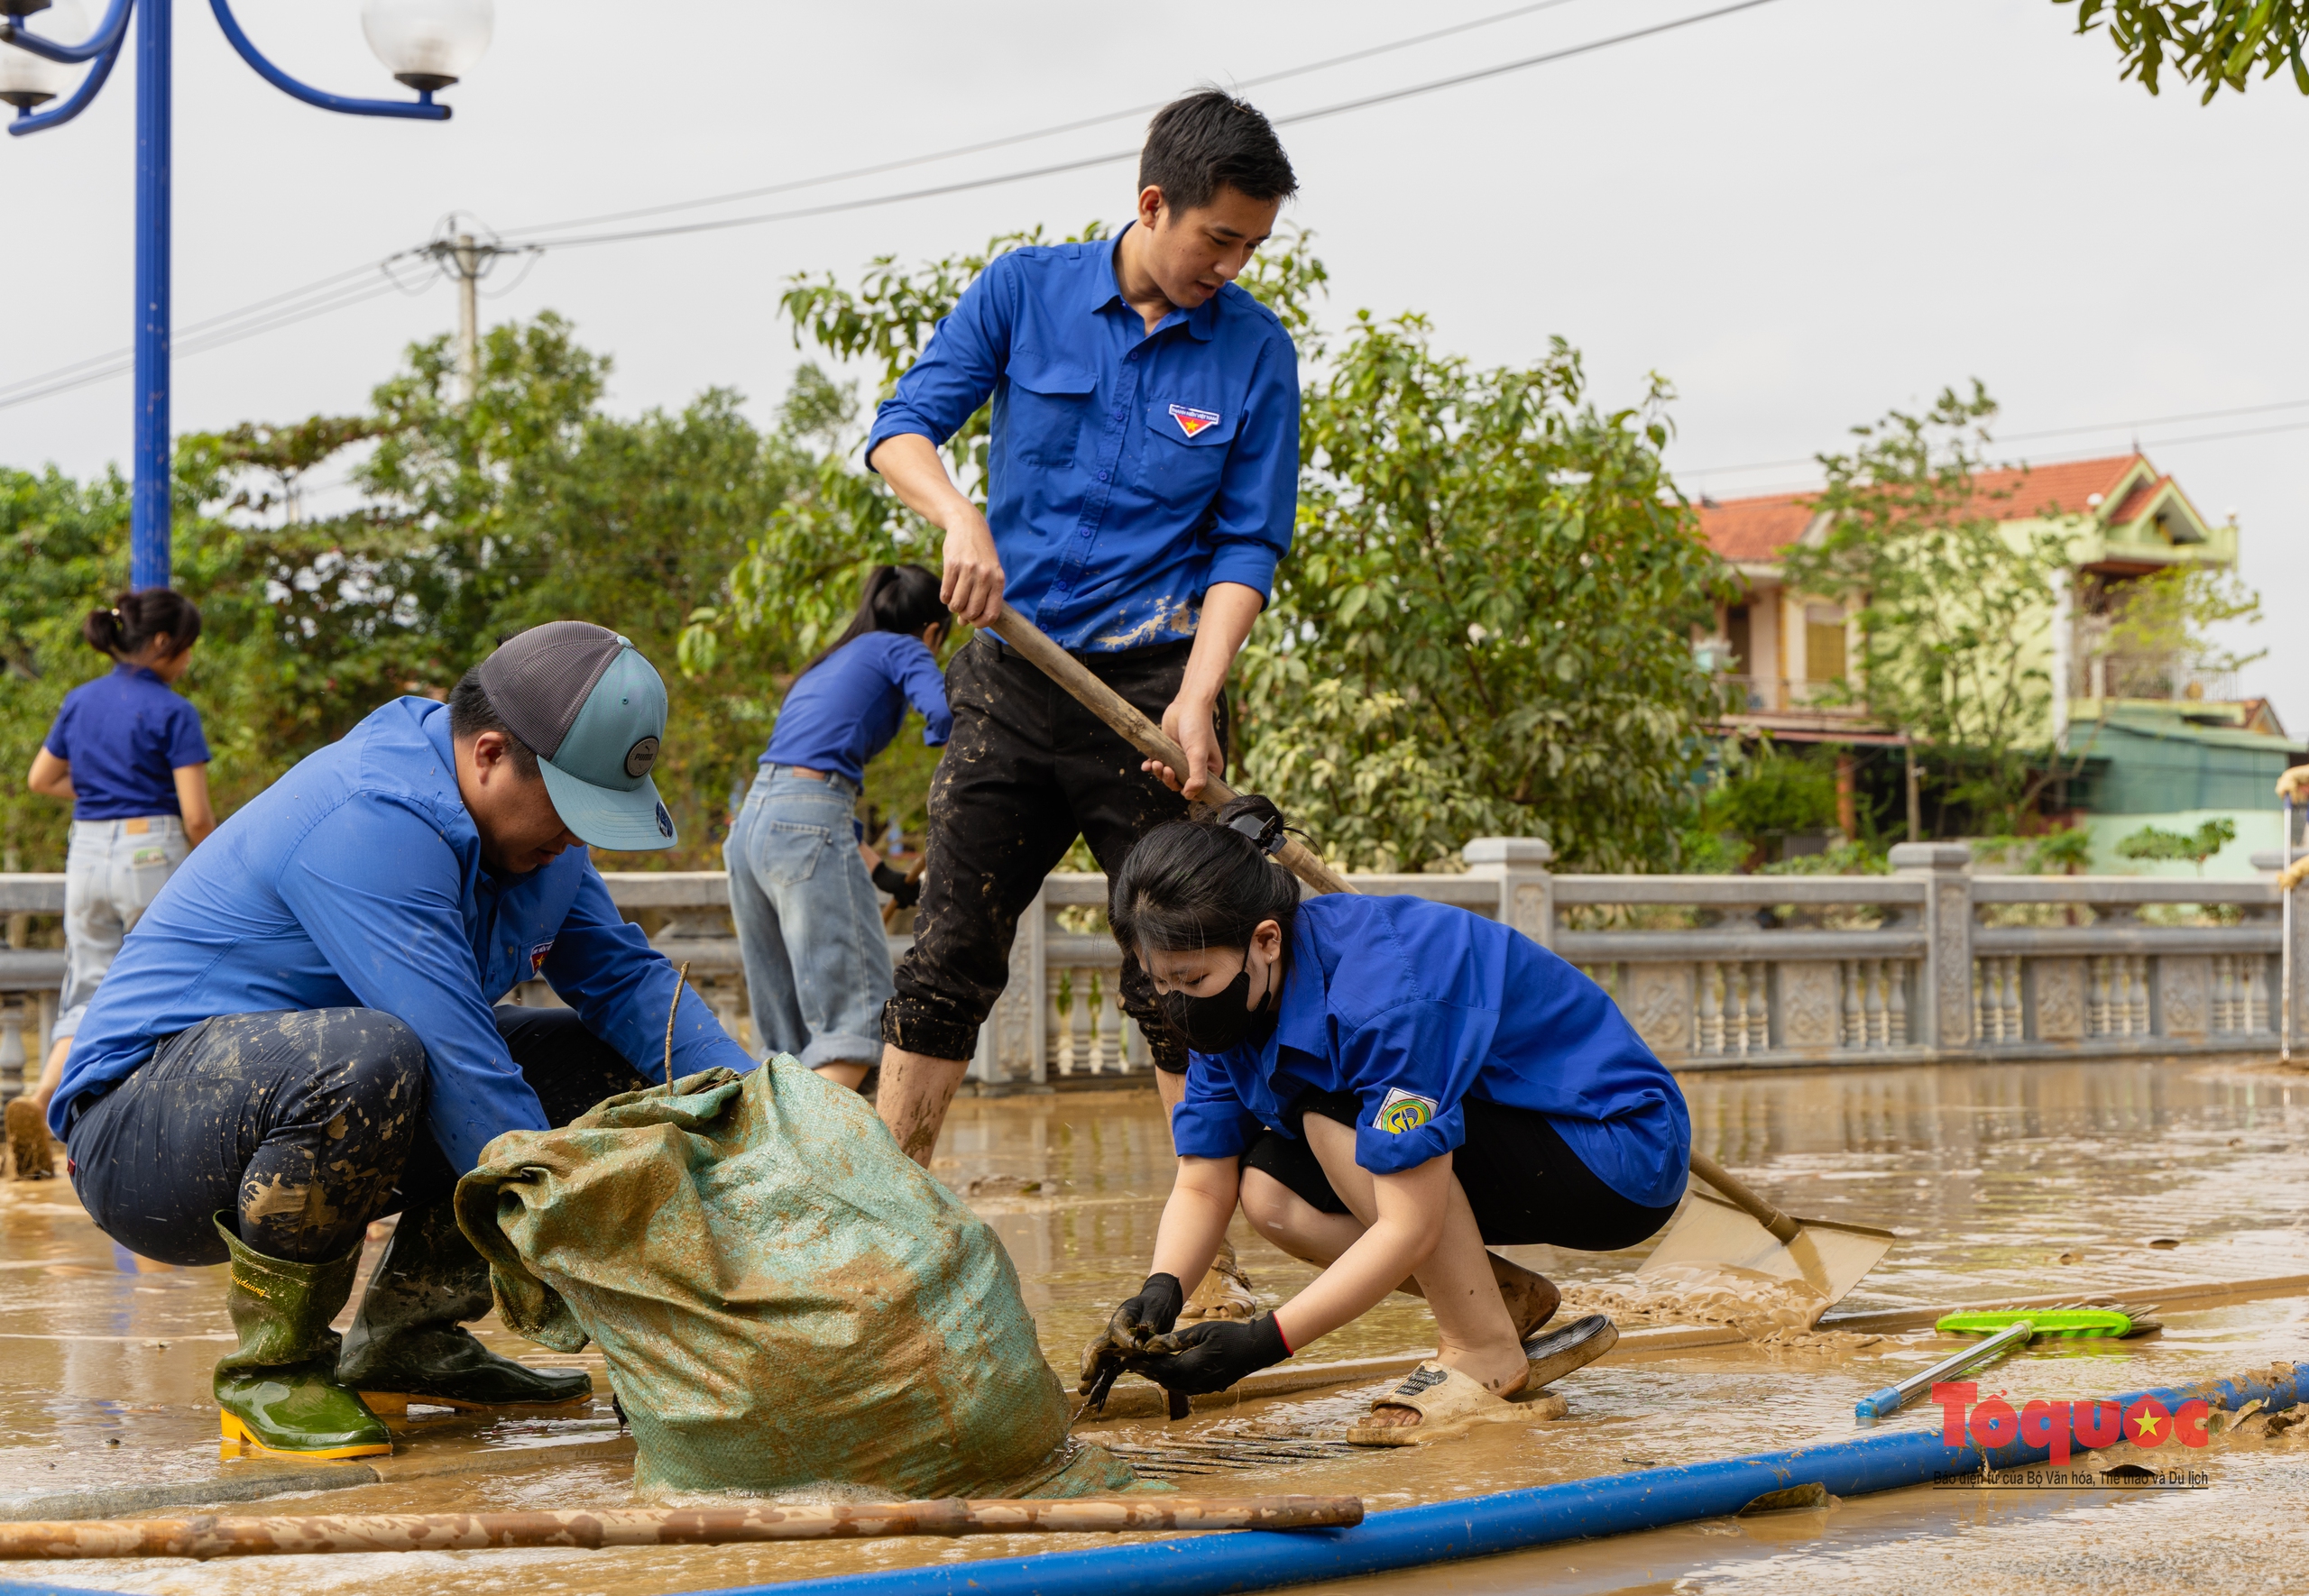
[1557,1353]
[1449,1404]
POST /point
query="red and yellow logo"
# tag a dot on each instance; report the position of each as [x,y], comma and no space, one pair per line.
[1192,421]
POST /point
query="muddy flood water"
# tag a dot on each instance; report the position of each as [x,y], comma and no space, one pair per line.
[2120,1178]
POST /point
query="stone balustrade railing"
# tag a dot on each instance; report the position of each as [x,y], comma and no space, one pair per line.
[1921,967]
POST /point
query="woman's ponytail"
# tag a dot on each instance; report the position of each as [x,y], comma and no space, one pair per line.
[1204,883]
[897,599]
[134,620]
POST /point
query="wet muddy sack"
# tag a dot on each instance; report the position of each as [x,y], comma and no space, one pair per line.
[783,1299]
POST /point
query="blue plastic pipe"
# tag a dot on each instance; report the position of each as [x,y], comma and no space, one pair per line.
[1485,1526]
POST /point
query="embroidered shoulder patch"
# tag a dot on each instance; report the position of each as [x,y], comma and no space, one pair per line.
[1402,1111]
[537,956]
[1192,421]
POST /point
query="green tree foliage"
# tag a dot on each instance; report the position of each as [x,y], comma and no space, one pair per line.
[1773,797]
[1482,628]
[529,504]
[2196,847]
[2215,43]
[1953,605]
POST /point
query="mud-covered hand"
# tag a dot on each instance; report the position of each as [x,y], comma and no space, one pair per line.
[1211,1356]
[1136,1321]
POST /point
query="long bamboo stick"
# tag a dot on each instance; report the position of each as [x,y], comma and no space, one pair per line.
[1144,735]
[208,1537]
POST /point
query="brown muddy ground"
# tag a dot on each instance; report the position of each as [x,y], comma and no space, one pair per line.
[2028,1177]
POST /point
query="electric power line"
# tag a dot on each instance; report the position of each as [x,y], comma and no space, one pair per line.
[1083,163]
[1052,131]
[2057,432]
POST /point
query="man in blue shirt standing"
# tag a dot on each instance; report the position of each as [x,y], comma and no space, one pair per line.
[1141,485]
[298,1037]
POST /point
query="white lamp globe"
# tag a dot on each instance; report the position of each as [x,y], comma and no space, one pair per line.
[428,44]
[27,79]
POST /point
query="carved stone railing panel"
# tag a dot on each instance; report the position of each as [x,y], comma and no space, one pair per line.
[1915,976]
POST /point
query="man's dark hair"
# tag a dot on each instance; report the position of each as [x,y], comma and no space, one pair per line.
[471,713]
[1209,139]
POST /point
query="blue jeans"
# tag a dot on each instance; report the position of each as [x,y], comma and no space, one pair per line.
[113,870]
[809,924]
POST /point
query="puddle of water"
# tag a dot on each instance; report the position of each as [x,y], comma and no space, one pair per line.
[1992,1175]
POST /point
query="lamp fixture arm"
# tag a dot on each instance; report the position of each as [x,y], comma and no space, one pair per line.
[422,107]
[107,37]
[77,101]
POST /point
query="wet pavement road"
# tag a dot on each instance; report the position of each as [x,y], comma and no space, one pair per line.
[2025,1178]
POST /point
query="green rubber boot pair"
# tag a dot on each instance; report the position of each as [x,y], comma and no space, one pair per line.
[409,1342]
[279,1392]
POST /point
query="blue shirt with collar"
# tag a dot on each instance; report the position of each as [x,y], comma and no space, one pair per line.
[355,881]
[1129,471]
[845,709]
[1416,1006]
[125,735]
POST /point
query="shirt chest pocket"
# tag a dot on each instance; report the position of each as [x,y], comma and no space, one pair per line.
[1045,408]
[1186,450]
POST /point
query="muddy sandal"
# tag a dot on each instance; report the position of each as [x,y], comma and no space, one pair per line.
[1560,1351]
[1449,1404]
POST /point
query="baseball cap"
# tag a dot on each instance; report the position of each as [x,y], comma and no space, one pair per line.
[593,712]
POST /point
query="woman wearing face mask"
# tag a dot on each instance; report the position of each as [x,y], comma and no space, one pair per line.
[1387,1085]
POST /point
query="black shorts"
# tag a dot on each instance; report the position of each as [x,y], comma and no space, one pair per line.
[1522,1178]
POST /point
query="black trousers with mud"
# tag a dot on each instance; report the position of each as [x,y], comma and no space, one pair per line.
[1026,770]
[307,1124]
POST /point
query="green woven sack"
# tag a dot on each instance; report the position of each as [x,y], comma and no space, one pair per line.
[783,1299]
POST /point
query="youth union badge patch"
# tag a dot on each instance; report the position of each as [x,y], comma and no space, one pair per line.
[1191,421]
[1403,1111]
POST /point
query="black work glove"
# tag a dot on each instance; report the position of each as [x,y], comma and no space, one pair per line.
[1136,1322]
[1210,1356]
[904,893]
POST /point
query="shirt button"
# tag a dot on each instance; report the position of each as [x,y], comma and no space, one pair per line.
[1103,476]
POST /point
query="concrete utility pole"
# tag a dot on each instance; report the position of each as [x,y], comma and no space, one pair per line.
[467,257]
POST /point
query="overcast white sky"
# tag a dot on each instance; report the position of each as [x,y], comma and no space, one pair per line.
[1800,215]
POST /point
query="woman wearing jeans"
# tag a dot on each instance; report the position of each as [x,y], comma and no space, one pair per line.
[809,925]
[127,753]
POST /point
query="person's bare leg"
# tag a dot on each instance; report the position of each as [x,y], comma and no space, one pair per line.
[1473,1331]
[917,1090]
[1225,1291]
[1306,1233]
[844,1074]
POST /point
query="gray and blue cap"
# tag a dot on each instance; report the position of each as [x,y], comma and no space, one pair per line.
[593,712]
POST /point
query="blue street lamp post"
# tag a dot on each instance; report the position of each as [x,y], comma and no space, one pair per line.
[426,44]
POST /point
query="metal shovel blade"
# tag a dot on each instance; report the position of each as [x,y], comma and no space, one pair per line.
[1712,1237]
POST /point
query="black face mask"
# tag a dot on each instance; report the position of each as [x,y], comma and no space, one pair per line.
[1212,1024]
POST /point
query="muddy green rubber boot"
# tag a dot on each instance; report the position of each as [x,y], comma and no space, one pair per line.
[409,1342]
[279,1392]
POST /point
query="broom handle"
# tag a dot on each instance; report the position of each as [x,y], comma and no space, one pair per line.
[213,1536]
[1783,1229]
[1144,735]
[2285,963]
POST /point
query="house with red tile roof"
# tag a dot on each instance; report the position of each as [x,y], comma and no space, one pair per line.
[2159,734]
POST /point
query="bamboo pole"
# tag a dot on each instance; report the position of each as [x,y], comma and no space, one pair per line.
[1144,735]
[209,1537]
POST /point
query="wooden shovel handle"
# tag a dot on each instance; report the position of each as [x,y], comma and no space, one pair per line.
[1782,1227]
[1144,735]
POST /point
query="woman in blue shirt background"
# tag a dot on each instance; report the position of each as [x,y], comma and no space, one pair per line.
[809,925]
[1388,1086]
[127,753]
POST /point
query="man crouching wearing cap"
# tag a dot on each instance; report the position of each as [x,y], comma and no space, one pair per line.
[297,1036]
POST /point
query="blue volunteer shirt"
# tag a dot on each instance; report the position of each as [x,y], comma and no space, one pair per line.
[845,709]
[1417,1006]
[356,881]
[125,735]
[1129,470]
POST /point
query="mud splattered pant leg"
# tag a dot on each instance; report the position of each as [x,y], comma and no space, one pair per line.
[307,1124]
[1025,771]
